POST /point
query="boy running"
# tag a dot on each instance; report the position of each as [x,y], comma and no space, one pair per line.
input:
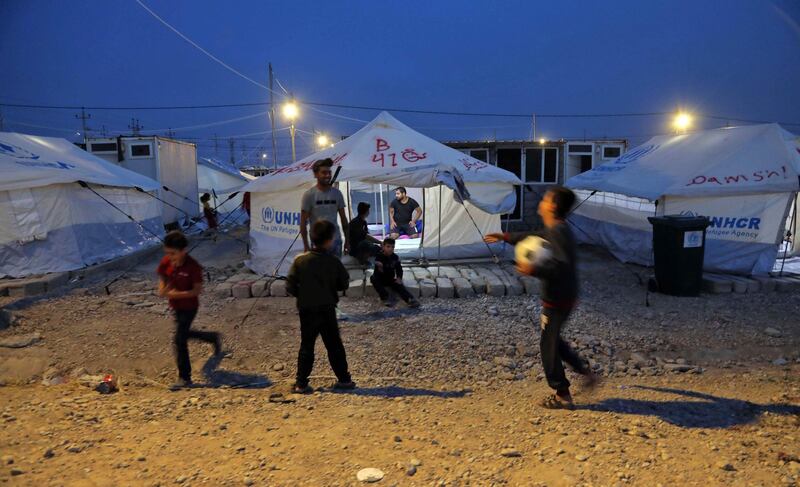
[315,279]
[389,273]
[559,279]
[181,282]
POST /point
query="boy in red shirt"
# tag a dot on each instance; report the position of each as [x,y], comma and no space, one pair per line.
[181,282]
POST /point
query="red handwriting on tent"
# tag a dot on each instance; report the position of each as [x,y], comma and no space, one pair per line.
[471,164]
[755,176]
[306,166]
[413,156]
[382,157]
[381,145]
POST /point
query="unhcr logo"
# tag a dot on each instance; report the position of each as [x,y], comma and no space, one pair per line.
[267,214]
[16,151]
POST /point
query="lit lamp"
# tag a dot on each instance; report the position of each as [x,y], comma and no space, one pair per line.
[291,111]
[682,122]
[322,141]
[542,141]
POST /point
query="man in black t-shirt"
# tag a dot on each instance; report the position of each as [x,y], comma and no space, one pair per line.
[362,244]
[404,212]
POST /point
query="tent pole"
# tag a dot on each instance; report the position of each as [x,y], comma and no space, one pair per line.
[791,228]
[439,243]
[383,215]
[422,234]
[375,204]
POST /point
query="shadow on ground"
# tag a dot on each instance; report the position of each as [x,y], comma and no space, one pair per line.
[703,411]
[219,378]
[396,391]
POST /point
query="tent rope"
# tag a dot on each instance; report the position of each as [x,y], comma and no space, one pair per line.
[475,224]
[84,184]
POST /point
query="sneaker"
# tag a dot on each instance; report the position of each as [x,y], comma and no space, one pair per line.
[413,303]
[181,384]
[298,389]
[388,303]
[344,386]
[341,316]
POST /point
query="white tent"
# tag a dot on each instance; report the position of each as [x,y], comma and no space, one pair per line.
[744,179]
[51,223]
[382,155]
[220,179]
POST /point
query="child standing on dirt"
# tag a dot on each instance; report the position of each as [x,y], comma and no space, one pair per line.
[559,279]
[315,279]
[181,282]
[389,274]
[208,212]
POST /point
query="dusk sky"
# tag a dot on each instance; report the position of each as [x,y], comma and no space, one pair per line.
[728,58]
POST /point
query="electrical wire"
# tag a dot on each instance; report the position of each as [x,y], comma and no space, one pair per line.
[214,58]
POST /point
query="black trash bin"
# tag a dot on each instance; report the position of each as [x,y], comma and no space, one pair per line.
[678,246]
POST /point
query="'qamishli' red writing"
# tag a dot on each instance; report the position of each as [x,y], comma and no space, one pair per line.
[755,176]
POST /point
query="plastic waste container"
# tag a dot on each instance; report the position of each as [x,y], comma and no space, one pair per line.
[678,247]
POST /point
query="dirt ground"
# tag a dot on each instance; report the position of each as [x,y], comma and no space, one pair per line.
[697,391]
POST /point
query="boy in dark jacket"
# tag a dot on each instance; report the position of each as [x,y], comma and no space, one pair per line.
[315,279]
[559,277]
[181,282]
[389,274]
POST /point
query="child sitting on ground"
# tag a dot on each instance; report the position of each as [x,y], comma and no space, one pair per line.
[389,274]
[315,279]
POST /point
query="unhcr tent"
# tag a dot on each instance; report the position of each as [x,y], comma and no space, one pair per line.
[744,179]
[220,180]
[51,223]
[382,155]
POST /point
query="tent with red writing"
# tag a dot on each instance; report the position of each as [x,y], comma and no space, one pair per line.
[744,179]
[461,197]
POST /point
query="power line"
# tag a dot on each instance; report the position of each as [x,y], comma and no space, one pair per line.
[393,109]
[216,59]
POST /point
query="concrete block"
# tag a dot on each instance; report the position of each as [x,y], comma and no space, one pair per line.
[241,290]
[495,287]
[278,288]
[782,285]
[444,271]
[514,287]
[767,283]
[259,289]
[468,273]
[420,273]
[463,288]
[224,290]
[531,285]
[716,285]
[356,289]
[427,288]
[444,288]
[412,285]
[27,287]
[56,280]
[240,277]
[478,284]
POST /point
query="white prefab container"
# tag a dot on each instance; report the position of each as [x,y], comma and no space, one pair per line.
[172,163]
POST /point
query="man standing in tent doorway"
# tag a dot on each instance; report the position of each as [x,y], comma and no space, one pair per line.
[324,202]
[404,213]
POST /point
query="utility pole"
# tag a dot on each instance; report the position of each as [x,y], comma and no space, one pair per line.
[103,131]
[533,127]
[272,119]
[244,152]
[231,148]
[83,117]
[135,127]
[170,133]
[216,144]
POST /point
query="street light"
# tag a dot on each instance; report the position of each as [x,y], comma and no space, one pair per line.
[682,122]
[322,141]
[541,141]
[291,111]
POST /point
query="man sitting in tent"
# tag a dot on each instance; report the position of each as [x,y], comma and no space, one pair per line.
[362,244]
[324,202]
[404,213]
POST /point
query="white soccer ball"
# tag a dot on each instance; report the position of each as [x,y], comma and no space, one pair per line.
[532,251]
